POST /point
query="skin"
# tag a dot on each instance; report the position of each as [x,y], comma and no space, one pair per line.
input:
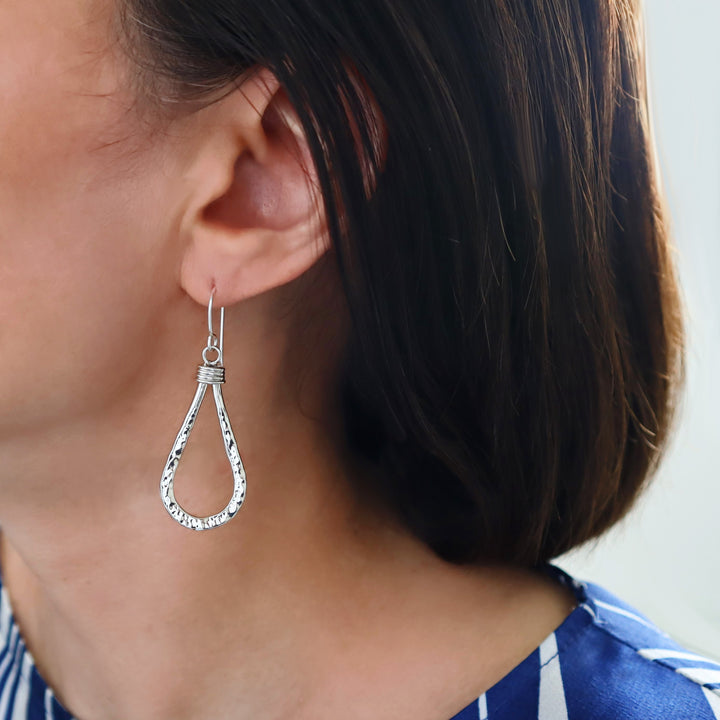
[114,227]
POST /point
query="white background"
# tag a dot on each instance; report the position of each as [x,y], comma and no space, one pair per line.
[665,558]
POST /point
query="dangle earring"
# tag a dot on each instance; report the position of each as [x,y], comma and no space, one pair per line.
[211,372]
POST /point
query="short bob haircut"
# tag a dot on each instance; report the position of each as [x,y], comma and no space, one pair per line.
[516,340]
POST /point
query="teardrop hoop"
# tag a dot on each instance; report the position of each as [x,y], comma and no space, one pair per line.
[211,372]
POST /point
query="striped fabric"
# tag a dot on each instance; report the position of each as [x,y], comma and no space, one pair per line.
[23,693]
[605,662]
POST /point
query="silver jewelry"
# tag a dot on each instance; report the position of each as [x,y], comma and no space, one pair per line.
[211,372]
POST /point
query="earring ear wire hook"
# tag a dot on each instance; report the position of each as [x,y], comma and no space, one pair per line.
[211,333]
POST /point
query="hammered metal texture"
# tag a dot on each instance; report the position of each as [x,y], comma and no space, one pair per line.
[167,489]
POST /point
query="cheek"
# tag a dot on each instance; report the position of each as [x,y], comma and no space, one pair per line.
[80,247]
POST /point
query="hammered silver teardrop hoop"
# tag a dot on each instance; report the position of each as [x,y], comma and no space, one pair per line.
[211,372]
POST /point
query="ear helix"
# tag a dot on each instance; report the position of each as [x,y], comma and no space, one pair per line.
[211,372]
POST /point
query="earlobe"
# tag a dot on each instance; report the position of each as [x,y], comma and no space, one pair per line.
[255,219]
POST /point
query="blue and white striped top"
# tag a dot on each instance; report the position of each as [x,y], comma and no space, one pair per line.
[606,661]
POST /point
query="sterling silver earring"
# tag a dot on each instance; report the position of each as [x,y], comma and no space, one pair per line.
[211,372]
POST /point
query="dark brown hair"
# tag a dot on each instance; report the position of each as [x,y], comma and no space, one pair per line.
[517,342]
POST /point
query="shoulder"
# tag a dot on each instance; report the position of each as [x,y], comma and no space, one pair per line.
[627,667]
[607,661]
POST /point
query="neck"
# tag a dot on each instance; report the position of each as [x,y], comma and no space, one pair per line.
[130,615]
[117,600]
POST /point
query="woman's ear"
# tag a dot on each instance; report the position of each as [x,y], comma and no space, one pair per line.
[254,216]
